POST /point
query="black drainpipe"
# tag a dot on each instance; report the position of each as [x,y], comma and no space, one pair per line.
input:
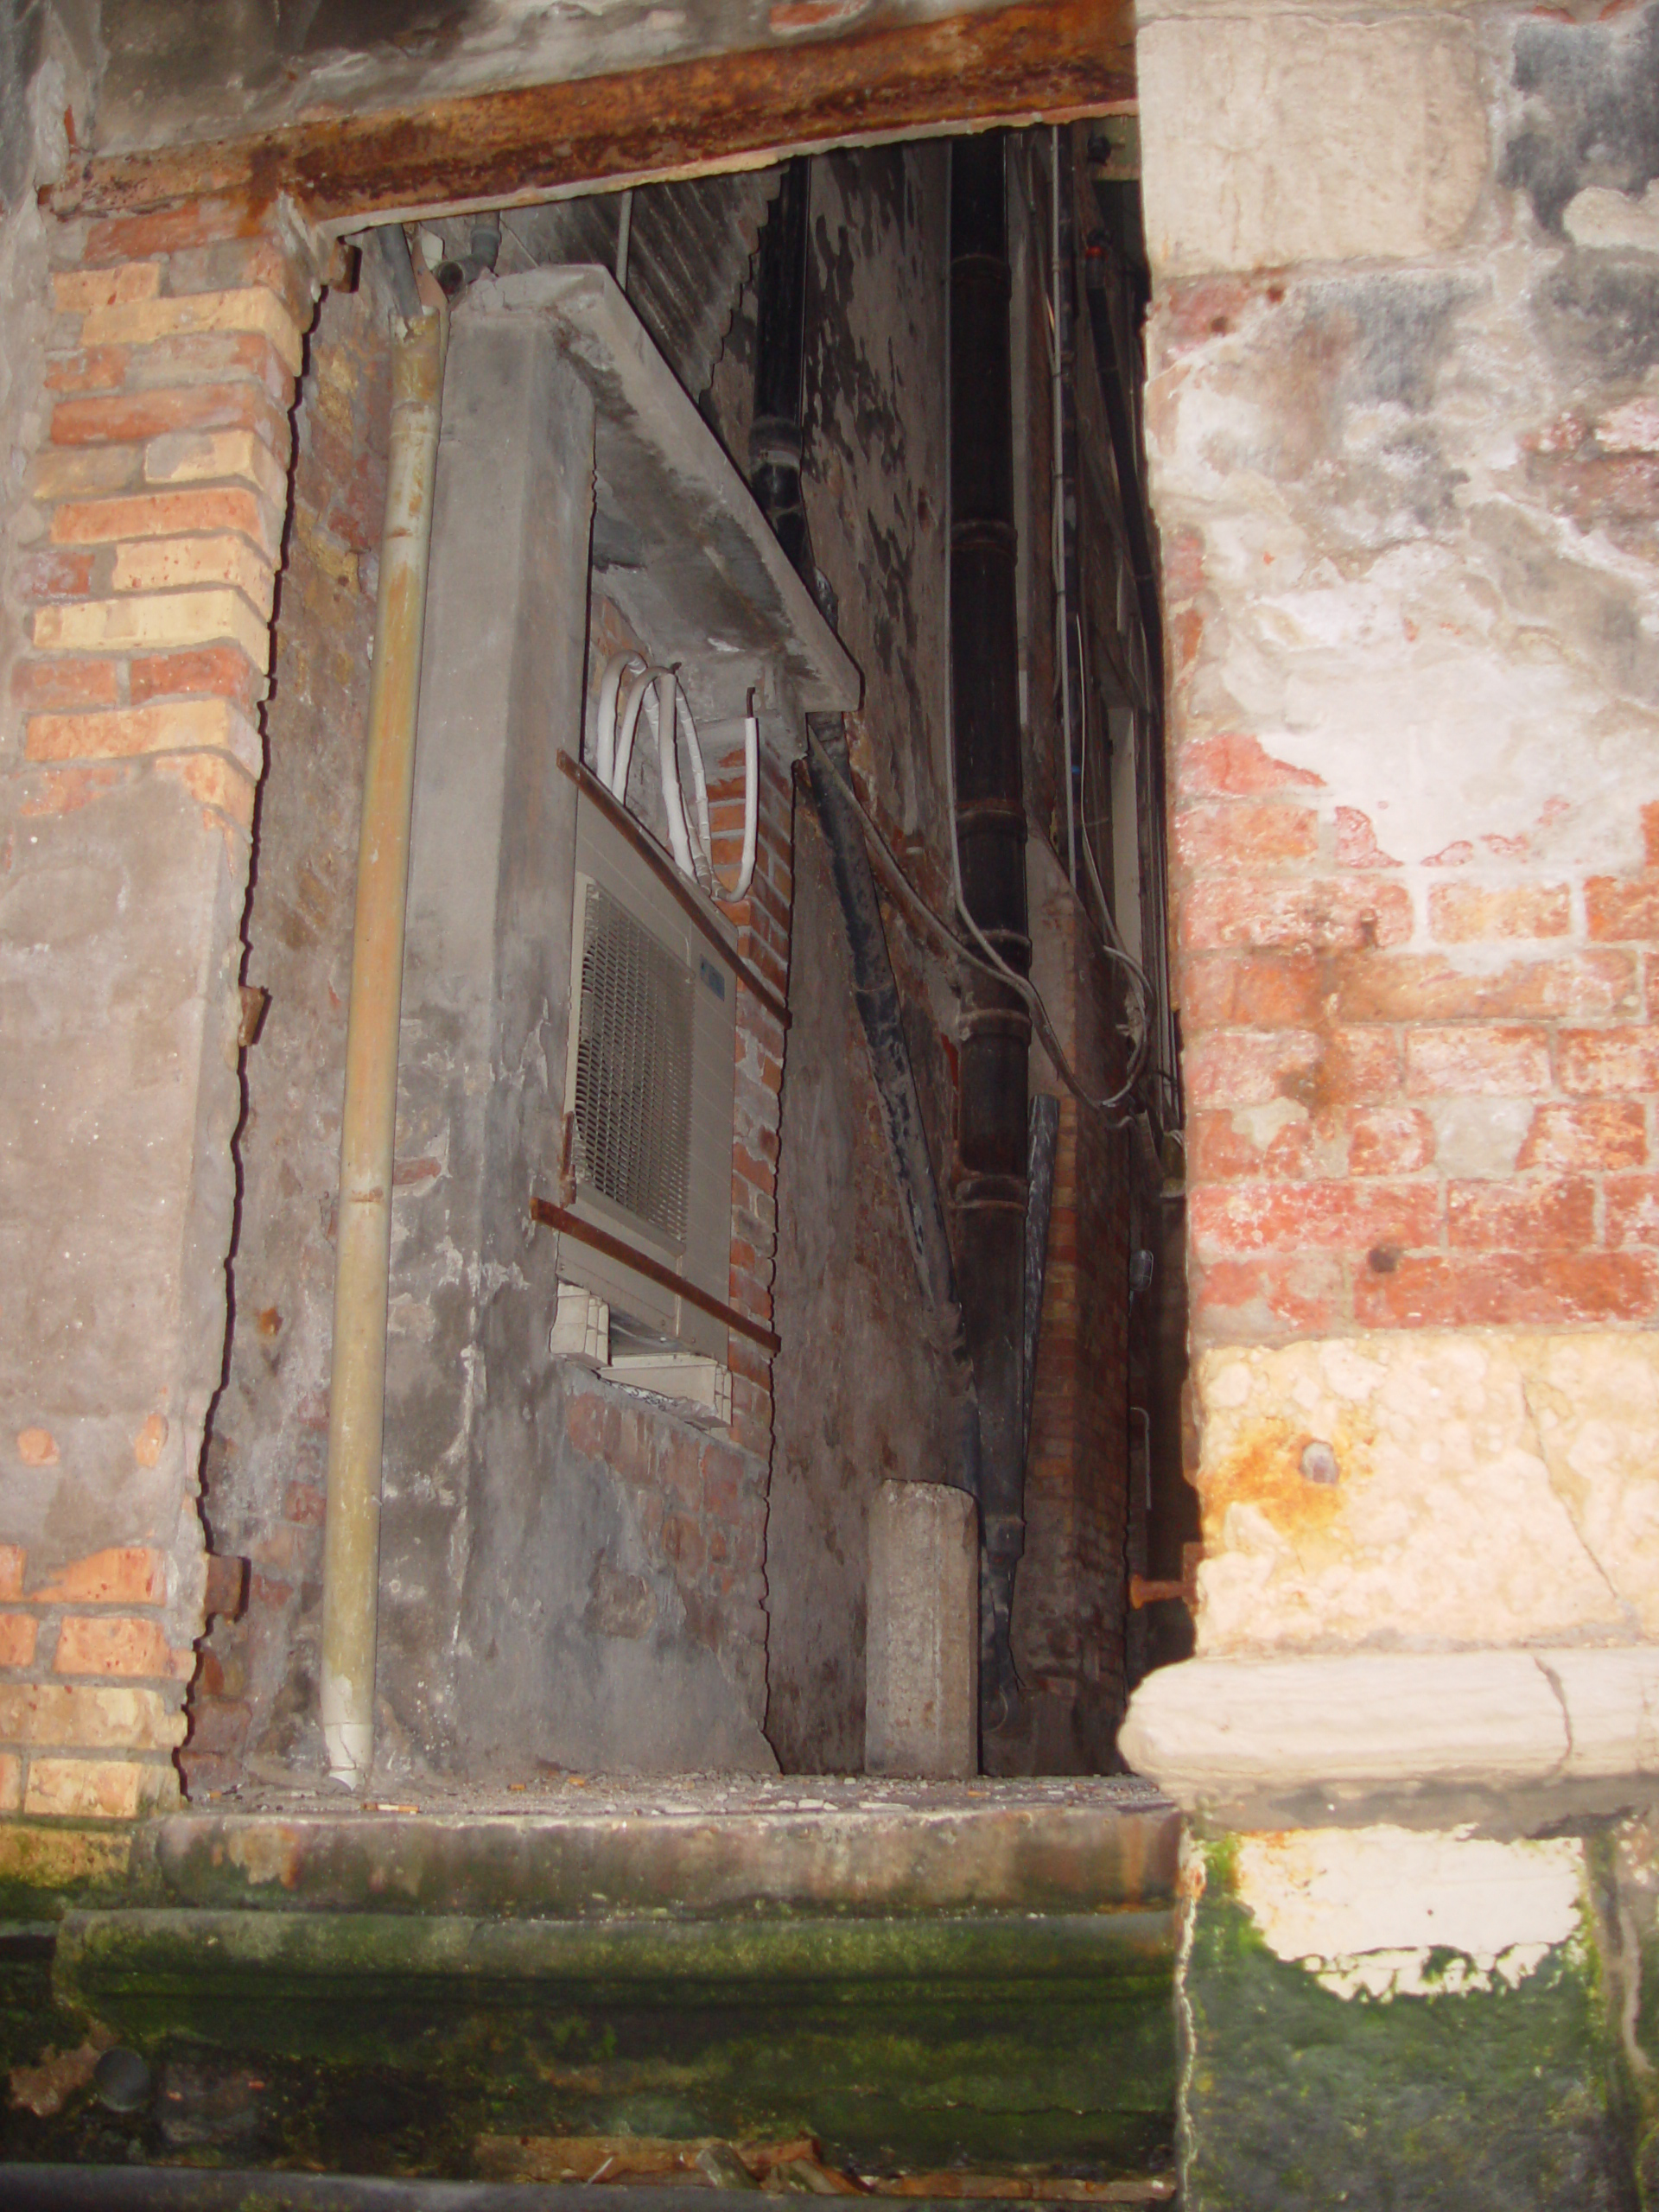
[780,365]
[990,824]
[775,478]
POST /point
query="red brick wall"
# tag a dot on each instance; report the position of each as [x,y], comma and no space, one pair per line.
[158,498]
[1308,974]
[173,358]
[88,1685]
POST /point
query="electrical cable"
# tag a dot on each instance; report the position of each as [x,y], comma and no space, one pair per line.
[1023,987]
[616,723]
[990,960]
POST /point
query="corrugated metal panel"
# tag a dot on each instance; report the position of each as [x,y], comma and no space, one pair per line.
[689,251]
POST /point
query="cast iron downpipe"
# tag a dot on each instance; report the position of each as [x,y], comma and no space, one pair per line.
[357,1388]
[995,1035]
[780,366]
[775,478]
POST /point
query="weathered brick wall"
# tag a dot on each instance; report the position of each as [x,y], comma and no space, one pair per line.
[263,1495]
[1403,426]
[763,926]
[144,572]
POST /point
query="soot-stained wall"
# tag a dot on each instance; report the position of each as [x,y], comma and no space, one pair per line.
[864,1388]
[864,1384]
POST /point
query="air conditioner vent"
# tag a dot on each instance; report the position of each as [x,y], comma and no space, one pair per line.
[632,1102]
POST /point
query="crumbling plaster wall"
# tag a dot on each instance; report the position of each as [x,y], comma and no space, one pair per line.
[1404,411]
[148,371]
[640,1545]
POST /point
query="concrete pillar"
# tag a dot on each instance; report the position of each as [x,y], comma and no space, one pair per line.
[921,1697]
[469,1387]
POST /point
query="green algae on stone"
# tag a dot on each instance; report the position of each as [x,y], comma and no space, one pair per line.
[991,2040]
[1474,2100]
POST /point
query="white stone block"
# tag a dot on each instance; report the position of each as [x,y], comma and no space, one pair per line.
[921,1647]
[1213,1733]
[1272,139]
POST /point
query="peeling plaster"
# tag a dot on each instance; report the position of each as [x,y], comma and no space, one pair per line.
[1394,1912]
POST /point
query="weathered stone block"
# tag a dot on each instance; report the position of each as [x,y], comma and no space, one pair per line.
[921,1646]
[1280,139]
[1493,1489]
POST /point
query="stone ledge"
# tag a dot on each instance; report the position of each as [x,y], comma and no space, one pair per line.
[714,1848]
[1214,1734]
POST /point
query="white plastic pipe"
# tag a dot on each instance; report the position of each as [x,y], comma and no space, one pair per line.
[605,718]
[357,1390]
[751,804]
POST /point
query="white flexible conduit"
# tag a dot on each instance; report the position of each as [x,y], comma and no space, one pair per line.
[627,685]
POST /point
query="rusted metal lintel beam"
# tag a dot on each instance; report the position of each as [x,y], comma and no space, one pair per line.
[1038,60]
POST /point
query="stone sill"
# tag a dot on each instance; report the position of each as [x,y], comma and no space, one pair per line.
[1335,1736]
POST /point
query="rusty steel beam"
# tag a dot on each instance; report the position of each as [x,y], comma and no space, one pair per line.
[1038,60]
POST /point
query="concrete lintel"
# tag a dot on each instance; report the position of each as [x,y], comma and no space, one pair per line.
[1222,1734]
[702,575]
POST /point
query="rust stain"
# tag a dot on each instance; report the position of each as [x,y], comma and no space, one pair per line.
[1263,1469]
[1046,61]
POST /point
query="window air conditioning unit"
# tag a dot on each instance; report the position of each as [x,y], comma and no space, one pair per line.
[649,1082]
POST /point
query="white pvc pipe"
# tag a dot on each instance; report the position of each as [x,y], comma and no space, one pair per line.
[751,802]
[605,722]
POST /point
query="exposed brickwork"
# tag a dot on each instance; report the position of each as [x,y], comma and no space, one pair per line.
[1348,1031]
[702,1507]
[90,1687]
[255,1694]
[162,491]
[158,497]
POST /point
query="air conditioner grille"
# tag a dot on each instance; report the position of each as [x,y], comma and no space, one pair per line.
[633,1068]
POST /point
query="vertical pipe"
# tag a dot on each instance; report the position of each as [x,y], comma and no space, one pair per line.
[1057,421]
[781,365]
[363,1235]
[990,827]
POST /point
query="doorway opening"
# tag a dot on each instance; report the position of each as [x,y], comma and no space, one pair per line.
[623,1528]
